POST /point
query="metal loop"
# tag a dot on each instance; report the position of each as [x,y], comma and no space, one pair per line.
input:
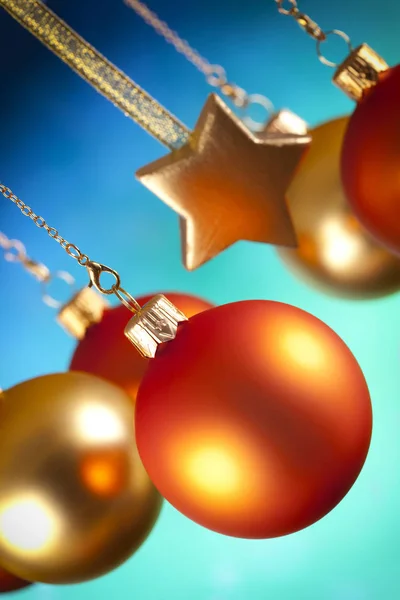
[283,10]
[26,211]
[7,193]
[127,300]
[338,33]
[240,97]
[47,298]
[37,269]
[20,251]
[95,271]
[73,251]
[83,260]
[216,76]
[52,231]
[259,100]
[39,222]
[309,26]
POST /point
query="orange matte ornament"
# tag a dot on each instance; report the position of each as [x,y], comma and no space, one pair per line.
[105,351]
[255,421]
[371,160]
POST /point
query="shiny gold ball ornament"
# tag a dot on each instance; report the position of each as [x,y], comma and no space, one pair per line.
[335,253]
[75,500]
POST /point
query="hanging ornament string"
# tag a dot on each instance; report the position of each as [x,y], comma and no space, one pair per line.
[361,68]
[94,269]
[15,251]
[369,161]
[215,74]
[98,71]
[220,168]
[330,257]
[273,379]
[313,29]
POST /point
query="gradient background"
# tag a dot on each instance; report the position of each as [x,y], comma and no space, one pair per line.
[72,156]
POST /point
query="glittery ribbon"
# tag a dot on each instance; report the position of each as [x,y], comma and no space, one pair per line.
[98,71]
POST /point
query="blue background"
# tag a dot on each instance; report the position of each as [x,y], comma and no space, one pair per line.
[71,155]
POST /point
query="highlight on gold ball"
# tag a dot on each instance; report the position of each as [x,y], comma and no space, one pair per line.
[75,500]
[335,252]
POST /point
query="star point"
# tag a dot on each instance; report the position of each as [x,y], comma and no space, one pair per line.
[227,184]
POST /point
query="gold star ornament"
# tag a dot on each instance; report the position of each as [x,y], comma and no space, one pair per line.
[227,185]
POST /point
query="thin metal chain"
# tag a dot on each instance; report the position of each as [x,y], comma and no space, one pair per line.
[15,251]
[215,74]
[290,8]
[26,210]
[94,269]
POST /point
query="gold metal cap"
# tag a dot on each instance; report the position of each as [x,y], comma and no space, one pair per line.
[84,309]
[359,72]
[156,323]
[285,121]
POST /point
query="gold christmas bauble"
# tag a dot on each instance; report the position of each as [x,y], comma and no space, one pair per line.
[75,500]
[335,253]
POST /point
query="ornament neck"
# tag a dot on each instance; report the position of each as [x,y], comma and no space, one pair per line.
[84,308]
[359,72]
[152,325]
[361,68]
[157,322]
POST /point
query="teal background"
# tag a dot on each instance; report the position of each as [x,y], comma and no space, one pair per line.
[71,155]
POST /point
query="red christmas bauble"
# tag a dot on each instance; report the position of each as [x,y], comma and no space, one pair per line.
[107,353]
[11,583]
[371,160]
[255,421]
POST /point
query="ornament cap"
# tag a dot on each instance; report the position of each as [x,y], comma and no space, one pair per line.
[359,72]
[284,121]
[156,323]
[84,309]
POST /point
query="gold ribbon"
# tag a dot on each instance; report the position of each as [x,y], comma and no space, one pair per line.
[98,71]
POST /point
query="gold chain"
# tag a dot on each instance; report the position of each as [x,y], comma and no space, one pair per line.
[215,74]
[290,8]
[26,210]
[98,71]
[94,269]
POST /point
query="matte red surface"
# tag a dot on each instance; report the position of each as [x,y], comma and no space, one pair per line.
[255,421]
[107,353]
[10,583]
[371,161]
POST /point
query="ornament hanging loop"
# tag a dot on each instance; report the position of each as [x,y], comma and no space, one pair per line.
[304,21]
[15,251]
[338,33]
[95,271]
[47,298]
[265,104]
[289,8]
[37,269]
[127,300]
